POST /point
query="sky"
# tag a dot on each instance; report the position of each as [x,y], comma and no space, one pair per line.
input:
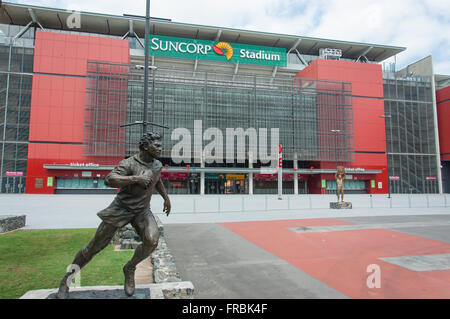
[422,26]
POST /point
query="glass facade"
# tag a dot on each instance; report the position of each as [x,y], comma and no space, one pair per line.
[16,66]
[350,186]
[410,134]
[302,110]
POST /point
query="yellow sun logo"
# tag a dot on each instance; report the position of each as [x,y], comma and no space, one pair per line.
[220,47]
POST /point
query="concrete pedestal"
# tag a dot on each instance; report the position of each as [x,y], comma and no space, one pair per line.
[168,290]
[341,205]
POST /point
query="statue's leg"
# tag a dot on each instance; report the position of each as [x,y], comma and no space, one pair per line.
[147,228]
[101,239]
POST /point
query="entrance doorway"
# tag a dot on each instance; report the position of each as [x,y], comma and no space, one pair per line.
[14,184]
[236,184]
[214,183]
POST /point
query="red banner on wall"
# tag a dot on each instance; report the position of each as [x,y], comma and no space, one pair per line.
[274,177]
[174,176]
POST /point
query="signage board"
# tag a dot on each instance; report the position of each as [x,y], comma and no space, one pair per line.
[214,176]
[174,176]
[219,51]
[13,173]
[274,177]
[236,177]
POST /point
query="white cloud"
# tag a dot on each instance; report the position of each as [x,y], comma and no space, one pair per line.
[421,26]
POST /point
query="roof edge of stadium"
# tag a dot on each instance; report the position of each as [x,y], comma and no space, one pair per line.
[168,22]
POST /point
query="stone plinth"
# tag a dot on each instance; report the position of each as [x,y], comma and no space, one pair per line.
[341,205]
[169,290]
[127,238]
[10,222]
[164,268]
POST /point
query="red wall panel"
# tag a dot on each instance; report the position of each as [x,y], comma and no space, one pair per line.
[443,113]
[368,126]
[60,53]
[58,100]
[57,109]
[368,106]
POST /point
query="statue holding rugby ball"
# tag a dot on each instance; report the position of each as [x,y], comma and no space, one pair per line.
[136,177]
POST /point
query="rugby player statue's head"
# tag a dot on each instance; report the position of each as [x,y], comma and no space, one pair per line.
[151,144]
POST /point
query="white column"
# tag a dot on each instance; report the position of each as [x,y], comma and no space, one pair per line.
[250,175]
[202,176]
[280,171]
[295,174]
[436,131]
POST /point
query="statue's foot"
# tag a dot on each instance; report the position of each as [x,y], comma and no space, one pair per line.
[63,292]
[129,279]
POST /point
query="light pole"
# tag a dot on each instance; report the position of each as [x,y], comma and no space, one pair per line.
[147,33]
[335,152]
[145,121]
[388,116]
[335,144]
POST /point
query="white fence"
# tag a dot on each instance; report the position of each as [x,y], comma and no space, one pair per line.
[249,203]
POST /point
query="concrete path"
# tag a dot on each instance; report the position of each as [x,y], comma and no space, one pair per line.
[222,264]
[385,257]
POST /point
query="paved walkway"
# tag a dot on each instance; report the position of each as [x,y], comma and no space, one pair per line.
[351,257]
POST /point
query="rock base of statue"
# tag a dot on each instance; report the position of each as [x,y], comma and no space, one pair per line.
[168,290]
[341,205]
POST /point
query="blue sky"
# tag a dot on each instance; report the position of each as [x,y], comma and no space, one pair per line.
[422,26]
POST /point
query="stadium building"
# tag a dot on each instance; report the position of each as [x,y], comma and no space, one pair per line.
[70,80]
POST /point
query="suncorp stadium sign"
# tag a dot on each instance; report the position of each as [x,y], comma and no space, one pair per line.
[216,51]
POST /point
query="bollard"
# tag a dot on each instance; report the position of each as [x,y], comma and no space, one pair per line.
[218,204]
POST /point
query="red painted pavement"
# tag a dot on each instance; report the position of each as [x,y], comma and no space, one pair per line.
[340,258]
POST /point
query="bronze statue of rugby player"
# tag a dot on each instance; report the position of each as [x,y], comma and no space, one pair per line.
[136,177]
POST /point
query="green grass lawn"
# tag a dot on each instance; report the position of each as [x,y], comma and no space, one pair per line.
[37,259]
